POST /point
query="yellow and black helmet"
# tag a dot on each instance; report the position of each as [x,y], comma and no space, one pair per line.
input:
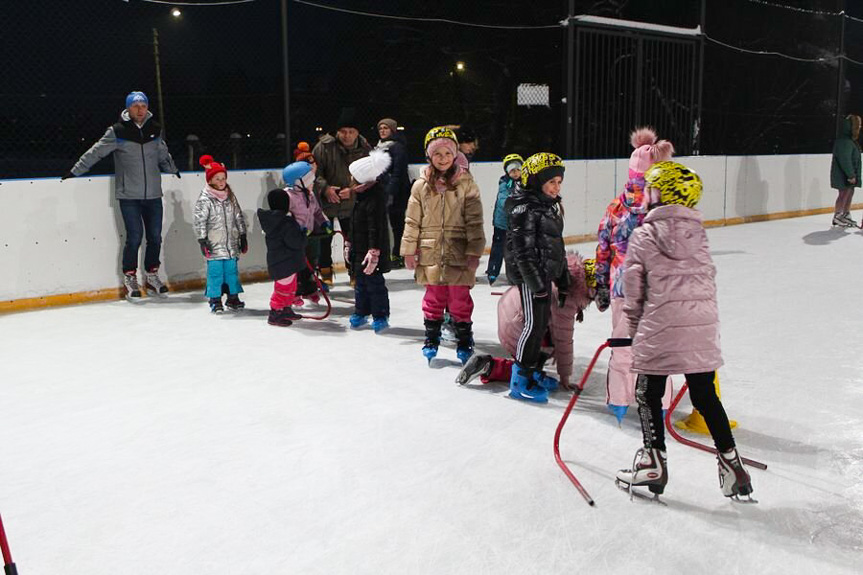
[676,183]
[540,168]
[510,158]
[439,132]
[590,272]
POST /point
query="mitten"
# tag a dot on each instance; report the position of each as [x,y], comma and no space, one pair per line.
[327,227]
[371,261]
[205,247]
[602,297]
[472,263]
[244,243]
[411,262]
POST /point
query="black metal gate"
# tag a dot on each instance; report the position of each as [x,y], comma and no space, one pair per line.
[625,75]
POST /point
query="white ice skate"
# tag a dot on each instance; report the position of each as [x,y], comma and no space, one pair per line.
[734,480]
[133,290]
[154,284]
[649,469]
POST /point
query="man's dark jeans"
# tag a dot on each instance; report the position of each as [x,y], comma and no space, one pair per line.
[142,217]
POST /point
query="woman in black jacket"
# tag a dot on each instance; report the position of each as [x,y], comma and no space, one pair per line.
[397,185]
[535,258]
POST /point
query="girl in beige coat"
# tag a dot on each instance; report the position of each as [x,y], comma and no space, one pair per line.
[443,241]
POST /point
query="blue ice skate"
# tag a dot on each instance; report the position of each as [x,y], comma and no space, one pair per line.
[464,354]
[380,324]
[522,386]
[430,352]
[619,411]
[545,381]
[358,320]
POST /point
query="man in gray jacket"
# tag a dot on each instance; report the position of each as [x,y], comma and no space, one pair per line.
[140,155]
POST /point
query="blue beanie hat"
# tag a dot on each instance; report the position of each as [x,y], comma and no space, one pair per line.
[294,172]
[135,97]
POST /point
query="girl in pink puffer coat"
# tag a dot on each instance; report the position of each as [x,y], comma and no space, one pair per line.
[510,324]
[670,306]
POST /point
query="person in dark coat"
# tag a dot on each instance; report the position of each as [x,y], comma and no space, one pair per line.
[286,255]
[536,258]
[368,244]
[396,182]
[845,170]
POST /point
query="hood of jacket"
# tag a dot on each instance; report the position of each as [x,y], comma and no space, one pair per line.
[633,196]
[676,229]
[330,140]
[271,219]
[125,117]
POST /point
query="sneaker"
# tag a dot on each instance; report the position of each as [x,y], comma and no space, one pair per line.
[278,318]
[130,282]
[649,469]
[233,303]
[358,320]
[522,386]
[216,305]
[154,283]
[380,324]
[476,366]
[733,477]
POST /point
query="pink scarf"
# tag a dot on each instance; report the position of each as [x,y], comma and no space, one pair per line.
[221,195]
[440,185]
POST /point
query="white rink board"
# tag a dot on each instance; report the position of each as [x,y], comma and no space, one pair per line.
[58,238]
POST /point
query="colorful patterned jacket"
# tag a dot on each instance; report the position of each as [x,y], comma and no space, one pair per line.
[623,215]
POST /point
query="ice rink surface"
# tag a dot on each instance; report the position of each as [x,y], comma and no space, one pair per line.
[157,438]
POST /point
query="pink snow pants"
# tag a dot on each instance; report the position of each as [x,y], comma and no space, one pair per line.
[620,383]
[454,298]
[284,291]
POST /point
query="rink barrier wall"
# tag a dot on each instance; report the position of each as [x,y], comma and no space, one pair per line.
[60,242]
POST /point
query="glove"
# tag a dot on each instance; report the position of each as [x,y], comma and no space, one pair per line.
[306,231]
[327,227]
[561,298]
[67,175]
[602,297]
[579,317]
[205,247]
[411,262]
[177,173]
[347,251]
[371,261]
[472,263]
[244,243]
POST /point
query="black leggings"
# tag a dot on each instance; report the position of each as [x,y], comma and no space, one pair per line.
[649,390]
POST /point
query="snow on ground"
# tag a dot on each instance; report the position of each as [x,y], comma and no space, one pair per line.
[156,438]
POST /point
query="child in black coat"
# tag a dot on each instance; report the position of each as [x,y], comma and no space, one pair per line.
[286,255]
[368,247]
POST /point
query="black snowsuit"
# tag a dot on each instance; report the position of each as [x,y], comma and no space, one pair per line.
[369,231]
[286,243]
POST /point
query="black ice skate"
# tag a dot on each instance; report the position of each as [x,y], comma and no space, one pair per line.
[233,303]
[734,480]
[476,366]
[649,469]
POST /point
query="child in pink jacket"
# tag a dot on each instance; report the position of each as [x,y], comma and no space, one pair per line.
[510,324]
[670,306]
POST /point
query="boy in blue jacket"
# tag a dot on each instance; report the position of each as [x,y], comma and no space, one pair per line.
[512,173]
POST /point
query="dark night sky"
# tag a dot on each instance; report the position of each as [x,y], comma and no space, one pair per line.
[66,70]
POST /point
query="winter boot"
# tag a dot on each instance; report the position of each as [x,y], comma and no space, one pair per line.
[233,303]
[356,320]
[476,366]
[733,477]
[216,305]
[278,318]
[432,341]
[327,276]
[130,282]
[464,340]
[379,324]
[522,386]
[649,469]
[152,282]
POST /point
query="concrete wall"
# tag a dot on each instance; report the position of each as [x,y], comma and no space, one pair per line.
[62,238]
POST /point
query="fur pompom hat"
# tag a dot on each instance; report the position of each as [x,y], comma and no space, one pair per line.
[648,151]
[367,170]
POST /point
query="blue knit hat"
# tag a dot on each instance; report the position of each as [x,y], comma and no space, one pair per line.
[294,172]
[135,97]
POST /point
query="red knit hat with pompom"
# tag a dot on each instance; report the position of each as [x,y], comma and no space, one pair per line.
[215,168]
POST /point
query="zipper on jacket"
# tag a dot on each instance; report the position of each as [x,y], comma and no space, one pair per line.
[227,233]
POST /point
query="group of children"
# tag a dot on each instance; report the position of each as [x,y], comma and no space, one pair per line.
[672,319]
